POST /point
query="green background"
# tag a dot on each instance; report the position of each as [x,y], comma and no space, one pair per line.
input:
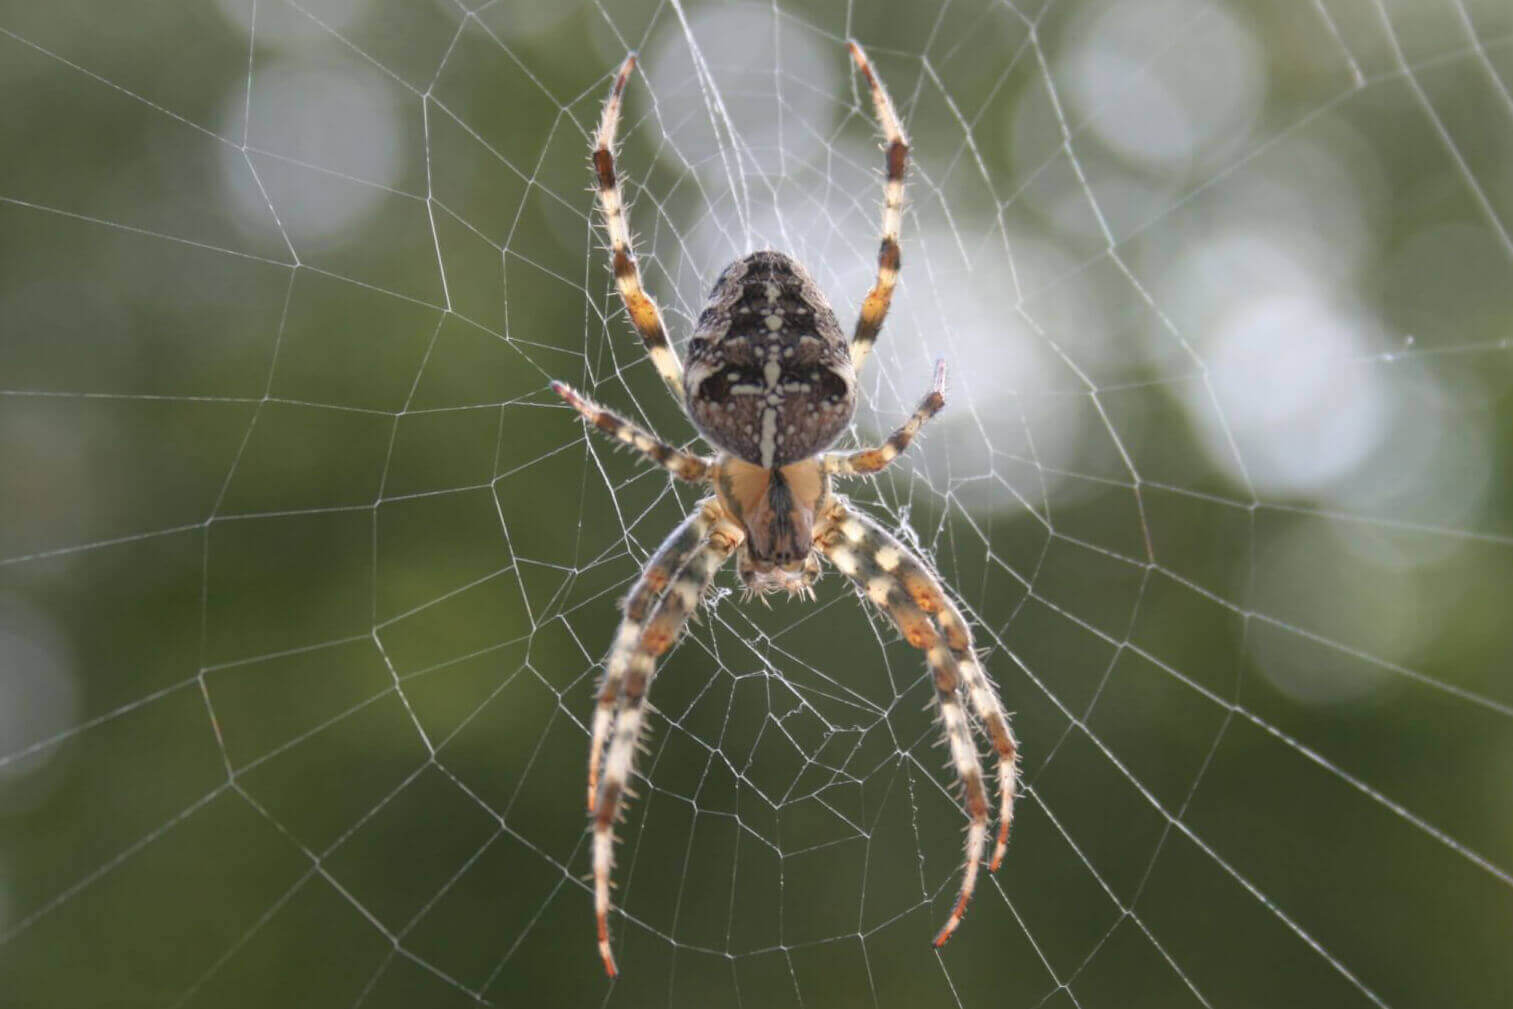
[305,577]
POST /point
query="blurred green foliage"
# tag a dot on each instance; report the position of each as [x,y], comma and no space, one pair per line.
[305,577]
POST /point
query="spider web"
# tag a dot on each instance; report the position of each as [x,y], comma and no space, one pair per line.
[307,577]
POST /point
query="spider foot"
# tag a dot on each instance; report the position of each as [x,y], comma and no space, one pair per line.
[604,952]
[975,837]
[1000,846]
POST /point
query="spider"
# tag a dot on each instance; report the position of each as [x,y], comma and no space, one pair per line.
[770,381]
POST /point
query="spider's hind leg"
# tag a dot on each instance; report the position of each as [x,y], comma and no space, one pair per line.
[644,314]
[875,307]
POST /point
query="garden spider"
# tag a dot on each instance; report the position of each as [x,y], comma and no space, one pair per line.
[771,382]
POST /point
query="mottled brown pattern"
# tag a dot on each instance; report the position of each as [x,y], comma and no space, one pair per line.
[765,310]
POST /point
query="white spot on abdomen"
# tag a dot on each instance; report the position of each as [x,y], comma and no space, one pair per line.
[769,443]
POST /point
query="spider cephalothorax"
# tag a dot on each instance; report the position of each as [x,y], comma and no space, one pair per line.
[771,383]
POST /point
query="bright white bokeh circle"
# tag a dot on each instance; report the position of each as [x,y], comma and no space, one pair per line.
[1157,104]
[1289,378]
[39,693]
[335,128]
[284,25]
[754,91]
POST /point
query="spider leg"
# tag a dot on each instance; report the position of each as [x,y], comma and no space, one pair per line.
[985,701]
[681,464]
[875,307]
[873,459]
[670,558]
[926,592]
[644,314]
[659,634]
[872,559]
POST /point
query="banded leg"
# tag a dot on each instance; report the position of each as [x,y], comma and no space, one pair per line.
[984,697]
[666,623]
[875,307]
[667,561]
[865,554]
[644,314]
[925,591]
[872,460]
[681,464]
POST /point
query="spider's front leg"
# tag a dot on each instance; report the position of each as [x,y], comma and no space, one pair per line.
[670,558]
[926,591]
[898,583]
[634,656]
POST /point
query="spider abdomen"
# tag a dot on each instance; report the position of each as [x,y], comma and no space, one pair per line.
[769,376]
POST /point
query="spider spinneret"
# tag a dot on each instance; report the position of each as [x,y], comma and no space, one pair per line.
[771,382]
